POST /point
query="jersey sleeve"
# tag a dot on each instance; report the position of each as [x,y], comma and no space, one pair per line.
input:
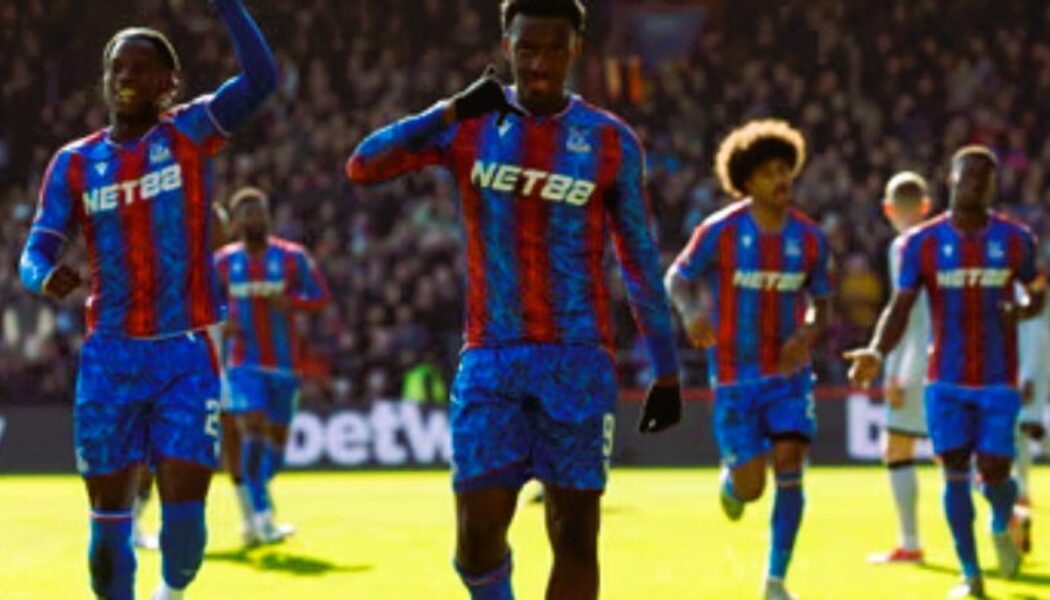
[196,121]
[407,145]
[240,97]
[909,277]
[639,258]
[819,280]
[698,255]
[52,226]
[221,260]
[1027,271]
[310,290]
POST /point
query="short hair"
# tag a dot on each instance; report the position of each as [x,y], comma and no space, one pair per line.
[572,10]
[975,150]
[752,144]
[248,194]
[906,187]
[159,41]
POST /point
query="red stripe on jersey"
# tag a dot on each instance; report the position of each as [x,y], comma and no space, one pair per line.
[140,247]
[293,285]
[532,216]
[464,148]
[928,271]
[771,259]
[725,350]
[609,159]
[261,313]
[75,181]
[197,216]
[972,302]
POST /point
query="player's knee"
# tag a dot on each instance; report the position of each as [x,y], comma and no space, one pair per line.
[253,424]
[574,536]
[898,449]
[480,539]
[956,460]
[750,488]
[993,469]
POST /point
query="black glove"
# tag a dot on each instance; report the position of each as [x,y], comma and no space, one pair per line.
[663,408]
[482,97]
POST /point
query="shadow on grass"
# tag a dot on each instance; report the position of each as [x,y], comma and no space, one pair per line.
[993,575]
[273,559]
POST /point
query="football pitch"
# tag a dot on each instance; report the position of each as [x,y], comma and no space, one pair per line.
[389,535]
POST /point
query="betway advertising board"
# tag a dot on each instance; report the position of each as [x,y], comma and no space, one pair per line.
[394,434]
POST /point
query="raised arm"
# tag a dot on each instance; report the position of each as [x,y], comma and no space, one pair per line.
[407,145]
[239,97]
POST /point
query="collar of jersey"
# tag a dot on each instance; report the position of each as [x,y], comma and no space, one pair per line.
[511,91]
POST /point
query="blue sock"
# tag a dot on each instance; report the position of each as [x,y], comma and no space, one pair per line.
[275,460]
[494,585]
[958,505]
[1002,497]
[253,470]
[182,538]
[110,555]
[787,516]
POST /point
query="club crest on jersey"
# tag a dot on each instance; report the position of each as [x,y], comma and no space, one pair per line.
[948,250]
[159,153]
[101,167]
[793,248]
[528,182]
[108,197]
[577,141]
[995,251]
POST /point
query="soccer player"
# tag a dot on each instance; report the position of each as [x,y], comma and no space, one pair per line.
[543,177]
[1034,369]
[905,204]
[767,268]
[147,389]
[267,282]
[967,261]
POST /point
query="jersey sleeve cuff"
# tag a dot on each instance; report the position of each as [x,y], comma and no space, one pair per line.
[664,354]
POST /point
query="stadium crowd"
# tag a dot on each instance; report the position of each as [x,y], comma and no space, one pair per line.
[876,87]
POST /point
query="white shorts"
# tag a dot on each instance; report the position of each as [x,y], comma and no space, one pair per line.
[909,419]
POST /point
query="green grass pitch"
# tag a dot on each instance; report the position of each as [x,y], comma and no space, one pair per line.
[389,535]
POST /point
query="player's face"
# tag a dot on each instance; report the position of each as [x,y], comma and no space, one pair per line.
[252,220]
[136,82]
[770,183]
[905,215]
[973,182]
[541,51]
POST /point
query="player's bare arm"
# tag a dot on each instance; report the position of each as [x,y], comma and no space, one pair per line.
[892,323]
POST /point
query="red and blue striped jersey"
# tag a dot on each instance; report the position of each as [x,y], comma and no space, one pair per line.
[144,210]
[967,276]
[539,198]
[759,282]
[265,337]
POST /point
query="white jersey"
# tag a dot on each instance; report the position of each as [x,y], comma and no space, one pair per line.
[1033,338]
[907,362]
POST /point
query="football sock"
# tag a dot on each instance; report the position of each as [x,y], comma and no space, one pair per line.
[275,459]
[110,555]
[182,538]
[958,506]
[787,516]
[1022,464]
[1001,496]
[494,585]
[254,459]
[905,486]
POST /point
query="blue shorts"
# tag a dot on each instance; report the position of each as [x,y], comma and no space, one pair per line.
[255,389]
[144,400]
[749,415]
[533,410]
[981,418]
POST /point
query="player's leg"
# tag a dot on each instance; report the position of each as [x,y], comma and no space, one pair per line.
[110,441]
[185,439]
[904,425]
[1030,429]
[742,446]
[490,447]
[254,468]
[142,495]
[953,431]
[573,520]
[997,427]
[282,403]
[232,452]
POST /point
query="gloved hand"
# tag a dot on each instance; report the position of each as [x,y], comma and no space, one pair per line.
[482,97]
[663,408]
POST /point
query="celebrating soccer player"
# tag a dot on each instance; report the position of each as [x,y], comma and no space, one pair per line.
[767,267]
[967,261]
[148,390]
[543,178]
[267,282]
[906,203]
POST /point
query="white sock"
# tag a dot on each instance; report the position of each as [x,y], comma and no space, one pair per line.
[1022,463]
[245,502]
[905,486]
